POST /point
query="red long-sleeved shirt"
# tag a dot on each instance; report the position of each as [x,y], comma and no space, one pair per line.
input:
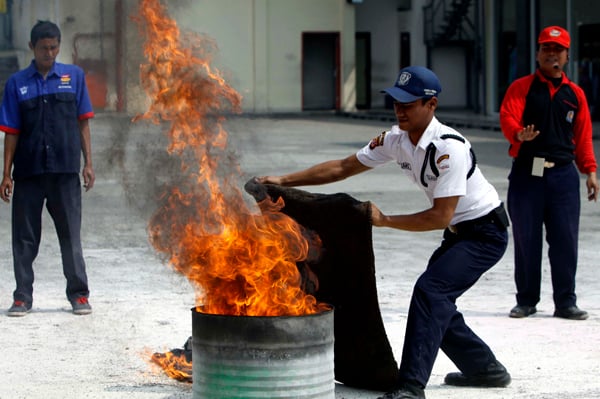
[518,98]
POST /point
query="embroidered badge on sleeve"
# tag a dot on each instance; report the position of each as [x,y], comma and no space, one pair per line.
[570,116]
[377,141]
[443,161]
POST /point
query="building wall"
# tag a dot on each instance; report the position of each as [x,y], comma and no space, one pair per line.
[260,45]
[385,23]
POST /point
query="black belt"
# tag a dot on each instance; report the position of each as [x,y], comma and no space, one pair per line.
[496,216]
[526,163]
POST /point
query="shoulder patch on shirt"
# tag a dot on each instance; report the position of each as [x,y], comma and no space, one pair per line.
[440,161]
[570,116]
[377,141]
[441,158]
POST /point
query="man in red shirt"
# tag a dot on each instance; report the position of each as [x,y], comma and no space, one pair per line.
[545,117]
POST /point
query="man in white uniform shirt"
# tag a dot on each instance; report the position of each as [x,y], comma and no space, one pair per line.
[463,204]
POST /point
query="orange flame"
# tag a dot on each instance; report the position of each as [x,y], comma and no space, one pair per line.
[240,263]
[175,365]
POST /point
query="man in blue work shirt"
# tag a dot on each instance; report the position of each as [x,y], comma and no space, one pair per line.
[45,114]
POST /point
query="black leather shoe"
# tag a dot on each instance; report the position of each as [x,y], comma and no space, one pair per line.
[571,313]
[521,311]
[494,376]
[407,391]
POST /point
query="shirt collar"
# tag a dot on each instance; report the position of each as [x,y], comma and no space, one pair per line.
[55,70]
[543,78]
[429,134]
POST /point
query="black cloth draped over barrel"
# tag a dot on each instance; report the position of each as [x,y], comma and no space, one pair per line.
[346,279]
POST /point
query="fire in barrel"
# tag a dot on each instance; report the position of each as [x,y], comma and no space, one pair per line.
[255,333]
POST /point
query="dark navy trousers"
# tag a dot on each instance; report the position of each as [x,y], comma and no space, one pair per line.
[553,201]
[433,319]
[62,195]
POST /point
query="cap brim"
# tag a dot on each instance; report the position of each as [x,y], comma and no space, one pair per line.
[552,41]
[400,95]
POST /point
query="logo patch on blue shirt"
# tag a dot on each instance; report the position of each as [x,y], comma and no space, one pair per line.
[23,90]
[65,82]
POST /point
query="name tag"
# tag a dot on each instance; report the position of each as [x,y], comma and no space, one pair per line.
[537,168]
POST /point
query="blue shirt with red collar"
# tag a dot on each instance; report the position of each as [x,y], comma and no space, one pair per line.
[45,113]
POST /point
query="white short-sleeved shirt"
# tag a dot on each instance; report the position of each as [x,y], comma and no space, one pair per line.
[452,160]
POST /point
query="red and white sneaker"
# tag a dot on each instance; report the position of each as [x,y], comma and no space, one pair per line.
[19,309]
[81,306]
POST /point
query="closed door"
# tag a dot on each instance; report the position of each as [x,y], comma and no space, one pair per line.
[363,70]
[320,66]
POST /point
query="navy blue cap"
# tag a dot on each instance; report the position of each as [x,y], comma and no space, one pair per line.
[413,83]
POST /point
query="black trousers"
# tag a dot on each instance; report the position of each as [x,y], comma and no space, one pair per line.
[62,195]
[554,202]
[433,320]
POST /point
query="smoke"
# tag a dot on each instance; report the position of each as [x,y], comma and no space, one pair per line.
[138,160]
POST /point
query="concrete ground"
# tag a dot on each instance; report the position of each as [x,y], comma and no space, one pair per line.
[142,306]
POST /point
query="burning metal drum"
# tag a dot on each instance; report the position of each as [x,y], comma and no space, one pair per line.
[262,356]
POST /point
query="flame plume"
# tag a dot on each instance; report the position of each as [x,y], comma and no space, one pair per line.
[239,263]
